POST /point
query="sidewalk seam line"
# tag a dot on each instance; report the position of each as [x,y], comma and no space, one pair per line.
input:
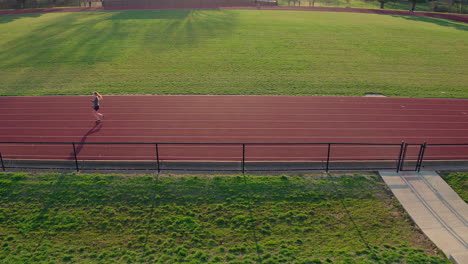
[444,201]
[431,210]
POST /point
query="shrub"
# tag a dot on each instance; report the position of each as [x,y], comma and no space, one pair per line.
[439,6]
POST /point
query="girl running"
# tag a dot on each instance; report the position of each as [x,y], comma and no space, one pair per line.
[97,98]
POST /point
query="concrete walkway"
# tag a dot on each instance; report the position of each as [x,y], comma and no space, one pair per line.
[439,212]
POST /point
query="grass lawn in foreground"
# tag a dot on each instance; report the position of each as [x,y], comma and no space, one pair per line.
[92,218]
[232,52]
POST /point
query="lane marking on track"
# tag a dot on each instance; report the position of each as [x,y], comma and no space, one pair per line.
[236,120]
[231,107]
[242,128]
[265,137]
[250,114]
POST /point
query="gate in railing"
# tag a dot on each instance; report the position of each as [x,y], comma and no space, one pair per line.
[411,157]
[241,157]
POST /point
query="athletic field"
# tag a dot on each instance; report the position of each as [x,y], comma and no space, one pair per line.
[232,52]
[91,218]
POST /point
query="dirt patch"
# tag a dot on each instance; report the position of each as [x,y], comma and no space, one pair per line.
[374,95]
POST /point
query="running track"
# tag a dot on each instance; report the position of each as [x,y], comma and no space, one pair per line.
[231,119]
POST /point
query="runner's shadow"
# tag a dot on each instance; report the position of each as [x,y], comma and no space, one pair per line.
[79,145]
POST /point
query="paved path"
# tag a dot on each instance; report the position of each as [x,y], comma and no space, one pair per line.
[439,212]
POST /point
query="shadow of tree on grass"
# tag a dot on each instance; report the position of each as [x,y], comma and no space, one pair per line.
[438,21]
[88,38]
[62,48]
[4,19]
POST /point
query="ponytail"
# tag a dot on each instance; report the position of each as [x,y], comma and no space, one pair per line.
[98,95]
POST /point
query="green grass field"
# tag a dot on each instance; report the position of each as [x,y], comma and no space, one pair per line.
[91,218]
[459,183]
[232,52]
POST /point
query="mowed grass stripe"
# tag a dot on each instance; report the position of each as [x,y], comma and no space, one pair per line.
[232,52]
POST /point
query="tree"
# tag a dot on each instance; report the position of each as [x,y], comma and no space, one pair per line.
[461,6]
[413,4]
[21,3]
[382,3]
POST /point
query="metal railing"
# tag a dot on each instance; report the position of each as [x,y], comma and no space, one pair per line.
[328,156]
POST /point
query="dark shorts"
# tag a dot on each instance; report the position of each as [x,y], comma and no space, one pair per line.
[96,107]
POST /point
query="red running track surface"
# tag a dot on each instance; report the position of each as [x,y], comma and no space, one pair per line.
[231,119]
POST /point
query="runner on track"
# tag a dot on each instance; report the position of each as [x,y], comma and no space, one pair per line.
[97,98]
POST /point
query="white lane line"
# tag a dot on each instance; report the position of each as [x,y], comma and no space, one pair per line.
[261,137]
[248,114]
[401,108]
[236,120]
[240,128]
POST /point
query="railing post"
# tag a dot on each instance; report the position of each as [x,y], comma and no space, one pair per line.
[157,157]
[76,160]
[421,156]
[328,157]
[403,156]
[243,158]
[1,159]
[399,156]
